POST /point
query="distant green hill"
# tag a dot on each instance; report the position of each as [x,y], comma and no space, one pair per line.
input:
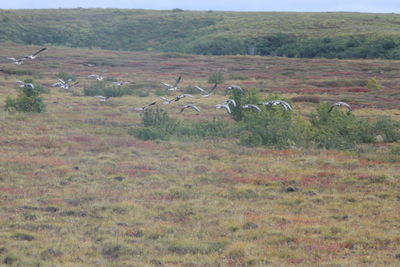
[331,35]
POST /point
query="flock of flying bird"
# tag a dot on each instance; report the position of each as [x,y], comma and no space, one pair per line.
[227,104]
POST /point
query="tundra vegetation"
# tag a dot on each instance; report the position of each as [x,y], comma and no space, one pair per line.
[90,183]
[306,35]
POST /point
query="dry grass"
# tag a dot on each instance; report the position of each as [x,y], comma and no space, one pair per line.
[77,190]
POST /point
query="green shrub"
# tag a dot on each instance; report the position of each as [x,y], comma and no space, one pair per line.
[374,84]
[150,133]
[270,127]
[338,129]
[28,99]
[216,77]
[102,88]
[387,128]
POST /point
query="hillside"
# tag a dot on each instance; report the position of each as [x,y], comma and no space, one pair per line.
[331,35]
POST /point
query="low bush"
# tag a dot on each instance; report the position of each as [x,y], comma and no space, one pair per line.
[28,99]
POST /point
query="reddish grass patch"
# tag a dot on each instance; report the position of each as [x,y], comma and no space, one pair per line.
[11,190]
[81,138]
[358,90]
[315,180]
[367,162]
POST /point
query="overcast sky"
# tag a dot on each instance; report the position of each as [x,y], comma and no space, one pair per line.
[375,6]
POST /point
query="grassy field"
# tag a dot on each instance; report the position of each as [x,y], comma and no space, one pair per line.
[76,189]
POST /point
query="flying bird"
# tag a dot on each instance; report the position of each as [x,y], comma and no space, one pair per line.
[340,104]
[16,61]
[192,106]
[34,55]
[96,76]
[282,103]
[19,61]
[251,106]
[204,93]
[179,97]
[235,87]
[230,101]
[224,106]
[172,87]
[145,107]
[167,101]
[23,84]
[103,98]
[64,84]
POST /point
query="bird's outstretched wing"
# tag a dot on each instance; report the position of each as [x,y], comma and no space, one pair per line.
[39,51]
[201,90]
[177,81]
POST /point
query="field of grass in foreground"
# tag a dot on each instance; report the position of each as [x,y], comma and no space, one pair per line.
[77,190]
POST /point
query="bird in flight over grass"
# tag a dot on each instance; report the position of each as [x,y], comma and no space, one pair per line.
[23,84]
[19,61]
[173,87]
[166,101]
[230,101]
[103,98]
[64,84]
[96,76]
[145,107]
[34,55]
[282,103]
[251,106]
[192,106]
[224,106]
[204,93]
[340,104]
[179,97]
[16,61]
[235,87]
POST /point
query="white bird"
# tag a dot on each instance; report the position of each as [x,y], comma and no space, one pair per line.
[67,85]
[236,87]
[34,55]
[172,87]
[60,83]
[145,107]
[23,84]
[19,61]
[192,106]
[224,106]
[340,104]
[251,106]
[16,61]
[96,76]
[166,101]
[282,103]
[179,97]
[205,93]
[230,101]
[103,98]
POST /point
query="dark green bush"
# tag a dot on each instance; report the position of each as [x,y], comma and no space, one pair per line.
[28,99]
[102,88]
[150,133]
[216,77]
[270,127]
